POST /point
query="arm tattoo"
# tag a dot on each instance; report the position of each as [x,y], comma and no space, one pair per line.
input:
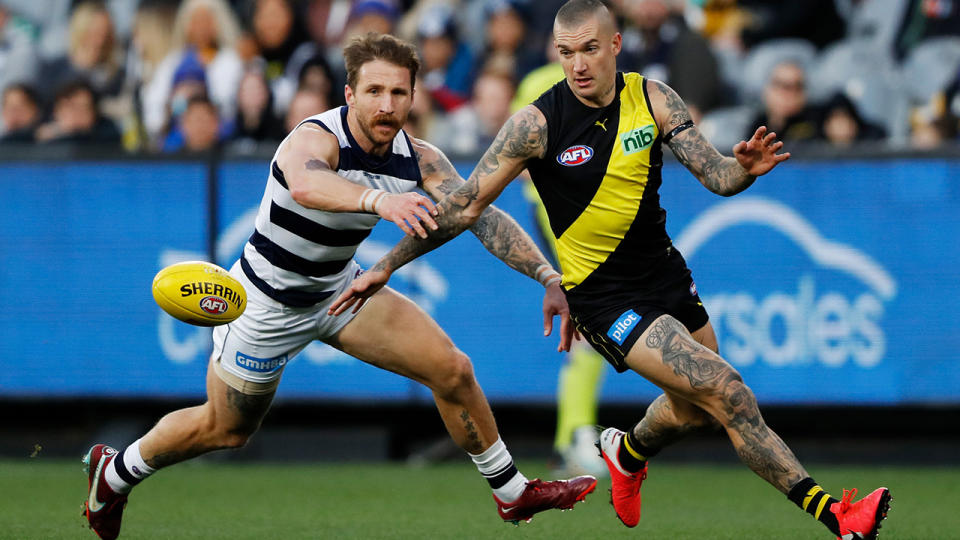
[710,377]
[719,174]
[497,231]
[522,137]
[316,165]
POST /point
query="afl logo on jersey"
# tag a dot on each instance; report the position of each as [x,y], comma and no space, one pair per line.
[575,155]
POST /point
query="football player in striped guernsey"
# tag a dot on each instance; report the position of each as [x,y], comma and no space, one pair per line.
[593,145]
[332,179]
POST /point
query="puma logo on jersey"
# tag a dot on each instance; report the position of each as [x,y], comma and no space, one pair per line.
[601,124]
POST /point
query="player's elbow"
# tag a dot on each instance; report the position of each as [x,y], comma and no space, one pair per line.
[300,196]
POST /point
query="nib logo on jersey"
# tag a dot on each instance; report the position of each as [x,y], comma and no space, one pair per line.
[795,297]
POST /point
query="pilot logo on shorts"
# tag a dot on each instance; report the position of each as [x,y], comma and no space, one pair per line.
[622,327]
[213,305]
[575,155]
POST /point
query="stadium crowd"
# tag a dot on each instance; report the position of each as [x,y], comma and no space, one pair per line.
[162,76]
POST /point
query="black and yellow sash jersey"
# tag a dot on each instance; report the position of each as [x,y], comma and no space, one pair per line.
[599,182]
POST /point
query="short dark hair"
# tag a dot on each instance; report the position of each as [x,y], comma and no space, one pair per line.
[575,11]
[76,86]
[28,91]
[373,46]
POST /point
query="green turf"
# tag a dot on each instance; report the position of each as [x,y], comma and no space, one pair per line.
[42,499]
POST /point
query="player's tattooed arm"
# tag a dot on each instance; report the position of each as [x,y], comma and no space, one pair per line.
[497,231]
[721,175]
[523,137]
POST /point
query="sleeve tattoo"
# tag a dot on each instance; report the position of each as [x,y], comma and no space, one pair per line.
[522,137]
[721,175]
[497,231]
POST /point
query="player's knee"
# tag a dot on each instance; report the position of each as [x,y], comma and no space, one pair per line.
[724,396]
[456,375]
[737,401]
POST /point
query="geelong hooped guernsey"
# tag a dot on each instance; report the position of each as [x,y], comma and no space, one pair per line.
[599,183]
[295,253]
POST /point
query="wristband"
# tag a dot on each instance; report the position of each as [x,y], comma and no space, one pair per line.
[370,200]
[546,275]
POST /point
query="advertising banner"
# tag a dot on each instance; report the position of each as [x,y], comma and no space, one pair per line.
[827,282]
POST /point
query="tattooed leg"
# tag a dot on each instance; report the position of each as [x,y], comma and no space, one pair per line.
[668,356]
[670,418]
[226,420]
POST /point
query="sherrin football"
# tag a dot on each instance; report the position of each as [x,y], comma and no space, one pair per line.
[199,293]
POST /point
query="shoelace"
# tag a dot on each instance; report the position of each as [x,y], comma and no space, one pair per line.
[847,500]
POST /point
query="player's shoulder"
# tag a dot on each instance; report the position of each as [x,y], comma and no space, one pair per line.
[425,151]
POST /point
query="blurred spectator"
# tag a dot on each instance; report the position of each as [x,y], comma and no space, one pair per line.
[508,39]
[276,34]
[209,30]
[937,121]
[325,23]
[423,119]
[378,16]
[786,111]
[842,124]
[471,128]
[200,126]
[150,42]
[93,53]
[76,118]
[814,20]
[658,44]
[305,103]
[539,80]
[18,54]
[20,113]
[316,75]
[255,119]
[447,63]
[924,19]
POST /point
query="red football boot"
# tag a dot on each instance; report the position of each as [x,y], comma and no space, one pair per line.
[103,507]
[861,520]
[625,490]
[539,496]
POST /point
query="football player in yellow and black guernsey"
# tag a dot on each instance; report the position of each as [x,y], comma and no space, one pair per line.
[593,146]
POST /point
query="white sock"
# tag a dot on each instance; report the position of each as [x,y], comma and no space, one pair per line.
[127,469]
[496,465]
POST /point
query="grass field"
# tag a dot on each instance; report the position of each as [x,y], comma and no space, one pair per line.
[42,499]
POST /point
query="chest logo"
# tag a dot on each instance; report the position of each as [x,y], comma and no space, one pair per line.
[575,155]
[601,124]
[637,140]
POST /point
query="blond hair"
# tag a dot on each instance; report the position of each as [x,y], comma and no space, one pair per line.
[228,27]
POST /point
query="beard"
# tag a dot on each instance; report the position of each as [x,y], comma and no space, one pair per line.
[375,135]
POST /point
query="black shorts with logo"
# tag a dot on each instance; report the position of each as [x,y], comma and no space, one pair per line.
[612,320]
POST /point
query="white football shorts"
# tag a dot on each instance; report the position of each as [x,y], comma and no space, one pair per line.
[250,353]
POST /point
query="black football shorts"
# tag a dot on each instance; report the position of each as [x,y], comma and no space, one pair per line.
[613,322]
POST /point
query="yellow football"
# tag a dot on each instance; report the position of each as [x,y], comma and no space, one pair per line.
[199,293]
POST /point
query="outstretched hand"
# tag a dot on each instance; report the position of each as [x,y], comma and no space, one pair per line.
[410,211]
[759,155]
[363,287]
[555,303]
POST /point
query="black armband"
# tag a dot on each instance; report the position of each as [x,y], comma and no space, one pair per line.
[678,130]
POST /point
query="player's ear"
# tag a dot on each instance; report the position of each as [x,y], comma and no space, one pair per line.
[617,44]
[348,94]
